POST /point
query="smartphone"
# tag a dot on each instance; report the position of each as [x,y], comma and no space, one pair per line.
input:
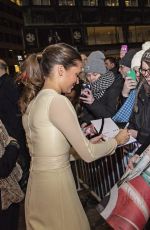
[86,86]
[131,73]
[123,50]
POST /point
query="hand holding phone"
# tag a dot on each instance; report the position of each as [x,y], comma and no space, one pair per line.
[123,51]
[87,96]
[86,86]
[129,84]
[131,73]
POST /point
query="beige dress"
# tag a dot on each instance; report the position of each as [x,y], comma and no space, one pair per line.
[51,126]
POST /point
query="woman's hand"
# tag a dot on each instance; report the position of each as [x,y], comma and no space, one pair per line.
[132,161]
[128,85]
[83,125]
[133,133]
[89,130]
[87,96]
[97,139]
[122,137]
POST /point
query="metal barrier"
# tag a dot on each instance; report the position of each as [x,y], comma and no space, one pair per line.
[100,175]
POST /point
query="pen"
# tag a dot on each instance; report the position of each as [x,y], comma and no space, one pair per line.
[126,125]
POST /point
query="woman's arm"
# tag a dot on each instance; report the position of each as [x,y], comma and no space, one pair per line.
[63,116]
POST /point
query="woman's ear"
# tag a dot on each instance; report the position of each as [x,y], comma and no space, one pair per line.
[61,70]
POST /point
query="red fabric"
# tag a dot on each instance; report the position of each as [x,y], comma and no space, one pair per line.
[143,188]
[126,208]
[120,224]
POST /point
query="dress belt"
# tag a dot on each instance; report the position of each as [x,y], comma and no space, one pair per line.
[44,163]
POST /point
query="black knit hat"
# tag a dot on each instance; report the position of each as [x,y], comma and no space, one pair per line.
[146,56]
[126,60]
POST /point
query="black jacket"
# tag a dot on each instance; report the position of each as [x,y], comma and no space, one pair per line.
[143,146]
[9,112]
[106,106]
[140,120]
[11,117]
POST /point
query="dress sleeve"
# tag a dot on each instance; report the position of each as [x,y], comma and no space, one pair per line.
[64,118]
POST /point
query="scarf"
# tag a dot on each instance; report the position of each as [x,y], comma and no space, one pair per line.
[124,113]
[99,86]
[10,189]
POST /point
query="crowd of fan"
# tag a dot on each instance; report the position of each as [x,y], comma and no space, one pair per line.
[107,88]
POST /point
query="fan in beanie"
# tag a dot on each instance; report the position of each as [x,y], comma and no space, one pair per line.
[95,63]
[146,57]
[136,60]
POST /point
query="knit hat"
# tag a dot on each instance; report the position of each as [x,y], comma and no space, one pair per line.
[146,45]
[95,63]
[146,56]
[126,60]
[136,60]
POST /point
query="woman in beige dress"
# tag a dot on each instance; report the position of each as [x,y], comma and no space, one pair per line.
[51,127]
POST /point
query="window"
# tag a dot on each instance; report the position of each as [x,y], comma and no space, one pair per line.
[90,2]
[131,3]
[46,2]
[18,2]
[111,3]
[66,3]
[139,33]
[37,2]
[147,3]
[41,2]
[104,35]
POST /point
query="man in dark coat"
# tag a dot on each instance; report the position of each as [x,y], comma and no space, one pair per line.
[11,116]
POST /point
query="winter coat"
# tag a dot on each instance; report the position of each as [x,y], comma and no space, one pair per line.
[106,106]
[140,120]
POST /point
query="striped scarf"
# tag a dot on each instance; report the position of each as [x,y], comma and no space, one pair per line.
[99,86]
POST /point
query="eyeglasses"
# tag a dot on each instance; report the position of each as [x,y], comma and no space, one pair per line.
[144,71]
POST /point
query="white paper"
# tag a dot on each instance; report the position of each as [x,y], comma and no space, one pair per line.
[110,129]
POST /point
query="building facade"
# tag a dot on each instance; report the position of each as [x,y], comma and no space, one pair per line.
[86,24]
[11,39]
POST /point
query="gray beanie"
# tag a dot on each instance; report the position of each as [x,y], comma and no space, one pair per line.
[95,63]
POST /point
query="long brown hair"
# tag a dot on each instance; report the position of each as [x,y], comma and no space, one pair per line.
[39,66]
[31,80]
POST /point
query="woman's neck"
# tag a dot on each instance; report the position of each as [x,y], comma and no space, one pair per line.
[48,84]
